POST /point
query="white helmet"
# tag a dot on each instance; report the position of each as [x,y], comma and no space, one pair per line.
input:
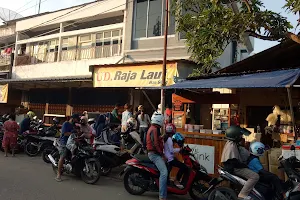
[257,149]
[131,123]
[157,118]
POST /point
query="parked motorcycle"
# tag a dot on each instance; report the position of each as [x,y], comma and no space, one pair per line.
[41,141]
[141,175]
[262,191]
[83,165]
[112,156]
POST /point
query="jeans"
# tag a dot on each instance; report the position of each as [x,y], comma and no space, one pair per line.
[252,179]
[143,134]
[267,177]
[163,176]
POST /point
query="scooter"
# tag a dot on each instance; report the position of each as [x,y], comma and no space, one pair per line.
[112,156]
[83,165]
[262,191]
[141,175]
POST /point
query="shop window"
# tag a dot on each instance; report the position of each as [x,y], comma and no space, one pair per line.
[149,19]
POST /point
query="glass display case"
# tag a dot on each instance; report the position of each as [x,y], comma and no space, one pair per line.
[224,115]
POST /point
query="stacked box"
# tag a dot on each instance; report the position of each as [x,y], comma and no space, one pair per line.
[265,160]
[274,154]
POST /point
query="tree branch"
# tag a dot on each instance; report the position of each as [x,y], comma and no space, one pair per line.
[248,6]
[262,37]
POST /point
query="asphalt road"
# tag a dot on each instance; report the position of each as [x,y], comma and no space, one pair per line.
[26,178]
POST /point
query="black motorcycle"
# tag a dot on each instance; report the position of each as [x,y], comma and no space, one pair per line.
[41,141]
[262,191]
[83,165]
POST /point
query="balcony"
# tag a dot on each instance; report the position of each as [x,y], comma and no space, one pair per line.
[103,51]
[4,61]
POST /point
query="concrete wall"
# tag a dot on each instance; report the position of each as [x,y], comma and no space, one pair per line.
[7,30]
[60,69]
[99,7]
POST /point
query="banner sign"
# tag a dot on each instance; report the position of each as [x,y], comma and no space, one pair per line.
[3,93]
[134,76]
[205,155]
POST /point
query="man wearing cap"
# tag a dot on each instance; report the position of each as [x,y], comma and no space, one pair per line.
[66,131]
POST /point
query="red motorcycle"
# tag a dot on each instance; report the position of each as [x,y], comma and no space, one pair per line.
[141,175]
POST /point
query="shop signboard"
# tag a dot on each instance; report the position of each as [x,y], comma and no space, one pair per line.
[205,155]
[134,76]
[3,93]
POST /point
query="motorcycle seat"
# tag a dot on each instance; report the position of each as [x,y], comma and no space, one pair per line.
[142,158]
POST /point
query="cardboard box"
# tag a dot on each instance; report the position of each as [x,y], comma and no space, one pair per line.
[264,159]
[274,154]
[279,172]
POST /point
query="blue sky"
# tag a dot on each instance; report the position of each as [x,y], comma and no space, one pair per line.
[51,5]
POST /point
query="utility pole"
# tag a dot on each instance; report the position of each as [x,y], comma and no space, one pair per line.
[39,6]
[164,68]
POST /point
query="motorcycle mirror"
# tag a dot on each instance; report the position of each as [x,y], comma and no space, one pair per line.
[280,158]
[293,148]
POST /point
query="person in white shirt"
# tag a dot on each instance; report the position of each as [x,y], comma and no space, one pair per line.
[144,123]
[125,116]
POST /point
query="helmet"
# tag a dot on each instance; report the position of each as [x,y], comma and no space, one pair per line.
[30,114]
[178,138]
[83,120]
[131,123]
[75,116]
[235,133]
[55,120]
[157,118]
[170,128]
[257,148]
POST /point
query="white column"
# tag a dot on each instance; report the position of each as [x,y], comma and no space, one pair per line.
[61,30]
[16,49]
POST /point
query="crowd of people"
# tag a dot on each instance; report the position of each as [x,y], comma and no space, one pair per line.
[235,158]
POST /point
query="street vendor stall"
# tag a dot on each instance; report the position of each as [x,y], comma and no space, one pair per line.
[231,108]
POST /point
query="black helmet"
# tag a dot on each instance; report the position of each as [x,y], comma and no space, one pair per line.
[235,133]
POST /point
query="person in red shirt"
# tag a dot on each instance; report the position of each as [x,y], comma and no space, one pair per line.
[155,148]
[11,129]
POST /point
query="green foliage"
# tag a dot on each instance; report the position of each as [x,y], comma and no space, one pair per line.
[210,25]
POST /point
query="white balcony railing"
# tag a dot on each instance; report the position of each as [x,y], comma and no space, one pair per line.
[5,60]
[71,54]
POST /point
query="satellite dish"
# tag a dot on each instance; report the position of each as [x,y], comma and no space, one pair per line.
[8,15]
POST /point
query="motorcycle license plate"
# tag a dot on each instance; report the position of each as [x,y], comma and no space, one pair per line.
[123,171]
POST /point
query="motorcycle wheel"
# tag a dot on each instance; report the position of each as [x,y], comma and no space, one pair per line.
[31,150]
[130,187]
[197,190]
[222,193]
[105,171]
[94,173]
[46,152]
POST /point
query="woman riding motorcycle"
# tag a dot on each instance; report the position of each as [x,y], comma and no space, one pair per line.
[232,161]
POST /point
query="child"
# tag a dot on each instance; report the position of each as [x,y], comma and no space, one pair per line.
[71,144]
[169,154]
[257,149]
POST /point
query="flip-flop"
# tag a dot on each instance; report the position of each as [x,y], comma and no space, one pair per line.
[58,179]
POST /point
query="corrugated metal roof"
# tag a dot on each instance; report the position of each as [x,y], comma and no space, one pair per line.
[49,79]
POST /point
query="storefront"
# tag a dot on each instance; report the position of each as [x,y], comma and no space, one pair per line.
[134,77]
[235,102]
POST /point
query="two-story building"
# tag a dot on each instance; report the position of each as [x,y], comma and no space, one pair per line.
[55,53]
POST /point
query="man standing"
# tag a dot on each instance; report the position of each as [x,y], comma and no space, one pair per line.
[66,131]
[115,114]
